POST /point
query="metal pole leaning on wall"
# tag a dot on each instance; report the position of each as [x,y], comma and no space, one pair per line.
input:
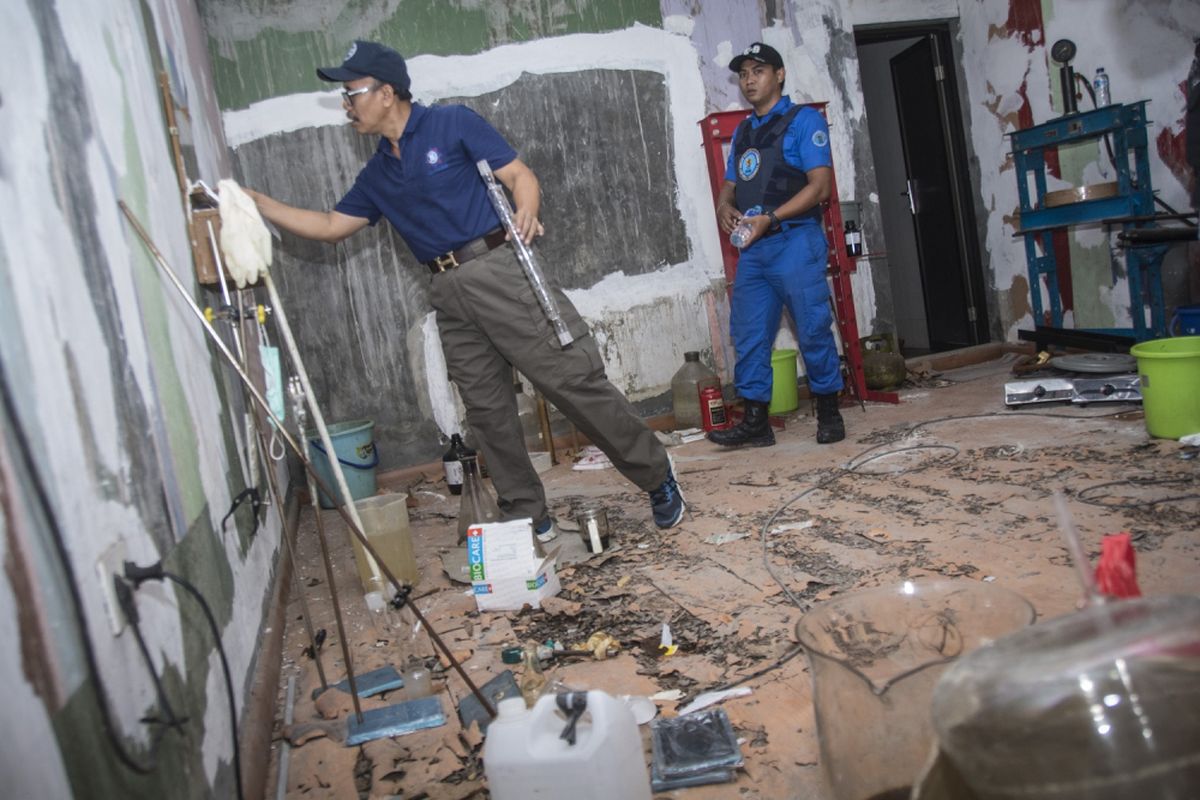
[399,589]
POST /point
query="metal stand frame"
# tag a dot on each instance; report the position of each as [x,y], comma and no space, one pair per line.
[1131,208]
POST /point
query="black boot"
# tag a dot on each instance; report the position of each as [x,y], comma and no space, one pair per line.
[753,431]
[830,427]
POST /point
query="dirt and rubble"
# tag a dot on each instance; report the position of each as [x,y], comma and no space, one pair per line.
[948,484]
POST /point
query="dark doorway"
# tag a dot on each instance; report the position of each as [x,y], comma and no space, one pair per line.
[925,193]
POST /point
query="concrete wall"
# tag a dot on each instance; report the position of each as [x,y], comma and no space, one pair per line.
[116,436]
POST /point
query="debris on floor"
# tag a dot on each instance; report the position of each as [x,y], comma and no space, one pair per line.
[946,485]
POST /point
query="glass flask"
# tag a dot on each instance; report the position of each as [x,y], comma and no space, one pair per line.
[478,506]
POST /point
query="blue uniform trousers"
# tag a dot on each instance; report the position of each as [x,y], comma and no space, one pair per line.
[785,269]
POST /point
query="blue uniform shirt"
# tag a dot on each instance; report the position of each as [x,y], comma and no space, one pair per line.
[805,145]
[432,193]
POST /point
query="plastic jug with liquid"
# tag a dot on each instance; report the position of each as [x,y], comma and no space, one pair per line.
[584,746]
[686,386]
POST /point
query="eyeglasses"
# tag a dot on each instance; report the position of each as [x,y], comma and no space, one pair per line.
[348,97]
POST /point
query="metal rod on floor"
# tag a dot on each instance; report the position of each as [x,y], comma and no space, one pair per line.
[355,529]
[337,607]
[285,749]
[290,536]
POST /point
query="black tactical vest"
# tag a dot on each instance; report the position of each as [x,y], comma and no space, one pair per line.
[764,178]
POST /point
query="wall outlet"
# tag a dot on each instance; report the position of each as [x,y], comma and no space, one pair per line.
[109,565]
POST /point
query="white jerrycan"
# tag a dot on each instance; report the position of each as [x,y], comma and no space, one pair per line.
[582,746]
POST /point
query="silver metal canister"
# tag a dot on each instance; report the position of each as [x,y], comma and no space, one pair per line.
[593,527]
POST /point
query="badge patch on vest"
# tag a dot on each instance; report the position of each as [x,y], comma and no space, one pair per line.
[748,164]
[819,139]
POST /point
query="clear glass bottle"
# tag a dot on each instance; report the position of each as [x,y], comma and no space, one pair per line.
[686,385]
[533,680]
[478,506]
[417,679]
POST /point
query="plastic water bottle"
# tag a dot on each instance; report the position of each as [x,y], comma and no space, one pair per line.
[1100,84]
[744,230]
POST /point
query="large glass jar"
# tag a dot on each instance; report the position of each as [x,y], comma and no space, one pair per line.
[685,389]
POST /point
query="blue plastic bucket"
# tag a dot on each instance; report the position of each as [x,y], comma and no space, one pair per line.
[354,446]
[1186,321]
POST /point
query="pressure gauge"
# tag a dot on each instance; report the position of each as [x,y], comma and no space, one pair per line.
[1063,51]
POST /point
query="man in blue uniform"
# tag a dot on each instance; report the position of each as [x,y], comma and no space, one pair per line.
[423,179]
[779,173]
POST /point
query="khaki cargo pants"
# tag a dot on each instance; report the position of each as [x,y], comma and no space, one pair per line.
[490,321]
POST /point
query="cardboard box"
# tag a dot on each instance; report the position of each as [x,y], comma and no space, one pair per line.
[505,573]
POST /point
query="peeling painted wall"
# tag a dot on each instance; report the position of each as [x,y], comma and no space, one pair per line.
[1011,82]
[116,393]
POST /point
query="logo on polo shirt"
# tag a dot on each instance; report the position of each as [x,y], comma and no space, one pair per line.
[819,139]
[748,164]
[434,160]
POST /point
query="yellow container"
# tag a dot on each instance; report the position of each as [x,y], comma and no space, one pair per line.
[784,397]
[385,523]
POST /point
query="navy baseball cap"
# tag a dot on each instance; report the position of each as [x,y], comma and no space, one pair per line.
[369,59]
[762,53]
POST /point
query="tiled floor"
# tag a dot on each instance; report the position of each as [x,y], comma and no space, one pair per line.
[946,485]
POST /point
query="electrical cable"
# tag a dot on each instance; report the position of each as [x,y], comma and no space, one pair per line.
[129,607]
[155,571]
[1084,496]
[29,464]
[854,467]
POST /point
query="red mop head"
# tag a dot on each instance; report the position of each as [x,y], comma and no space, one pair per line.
[1116,574]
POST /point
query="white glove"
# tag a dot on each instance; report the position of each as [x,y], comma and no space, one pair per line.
[245,240]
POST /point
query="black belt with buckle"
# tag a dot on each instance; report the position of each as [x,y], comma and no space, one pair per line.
[472,249]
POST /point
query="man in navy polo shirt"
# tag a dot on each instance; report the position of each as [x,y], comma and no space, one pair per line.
[423,179]
[779,172]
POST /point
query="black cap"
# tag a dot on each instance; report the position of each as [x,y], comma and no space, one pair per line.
[369,59]
[762,53]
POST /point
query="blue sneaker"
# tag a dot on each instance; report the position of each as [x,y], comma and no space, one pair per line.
[667,502]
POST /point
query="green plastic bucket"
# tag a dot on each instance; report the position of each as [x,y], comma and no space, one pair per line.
[1170,375]
[784,398]
[354,446]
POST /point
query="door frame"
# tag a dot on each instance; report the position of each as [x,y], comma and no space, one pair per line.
[957,161]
